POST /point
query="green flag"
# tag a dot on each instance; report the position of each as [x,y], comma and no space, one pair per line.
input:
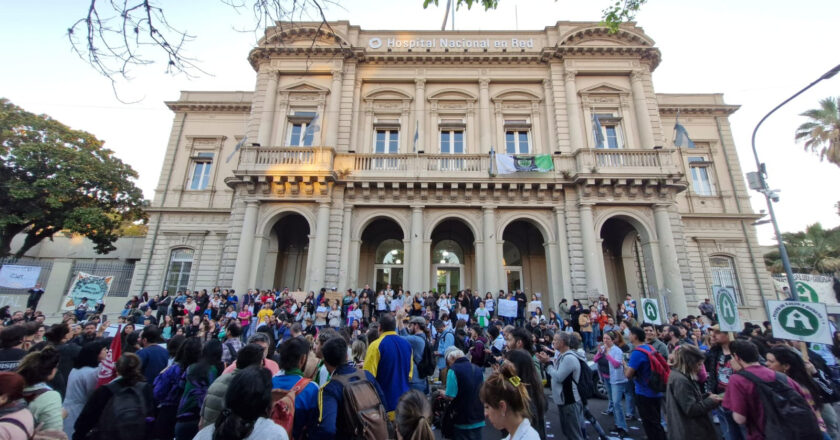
[506,164]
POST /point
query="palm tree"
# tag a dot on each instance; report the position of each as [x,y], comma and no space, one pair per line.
[822,132]
[815,250]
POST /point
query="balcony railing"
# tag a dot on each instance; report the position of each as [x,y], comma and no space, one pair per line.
[301,160]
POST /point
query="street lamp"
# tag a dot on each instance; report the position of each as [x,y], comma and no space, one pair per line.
[758,181]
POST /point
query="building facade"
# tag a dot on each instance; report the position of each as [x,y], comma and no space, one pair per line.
[364,157]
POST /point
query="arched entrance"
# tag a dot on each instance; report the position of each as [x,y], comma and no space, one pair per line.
[382,255]
[628,266]
[524,259]
[452,256]
[288,252]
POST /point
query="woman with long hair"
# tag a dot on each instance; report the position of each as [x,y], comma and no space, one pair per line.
[82,381]
[16,420]
[38,368]
[785,360]
[506,404]
[91,424]
[527,372]
[413,417]
[168,388]
[198,378]
[574,312]
[687,411]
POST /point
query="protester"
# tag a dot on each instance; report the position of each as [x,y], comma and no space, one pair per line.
[38,368]
[616,380]
[687,411]
[389,360]
[16,421]
[413,417]
[293,357]
[648,401]
[251,354]
[82,382]
[416,336]
[11,347]
[463,384]
[153,355]
[785,360]
[564,371]
[537,404]
[506,404]
[197,380]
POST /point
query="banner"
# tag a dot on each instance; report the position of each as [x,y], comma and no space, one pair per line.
[507,164]
[19,277]
[85,285]
[650,311]
[727,309]
[799,321]
[507,308]
[809,288]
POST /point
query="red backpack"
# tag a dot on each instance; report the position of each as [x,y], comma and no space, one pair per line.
[659,371]
[283,405]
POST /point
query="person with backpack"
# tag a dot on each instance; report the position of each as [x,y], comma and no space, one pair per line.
[389,360]
[294,396]
[121,409]
[565,373]
[415,334]
[788,362]
[650,371]
[463,385]
[478,347]
[351,403]
[687,409]
[196,381]
[445,339]
[38,368]
[247,403]
[16,420]
[769,404]
[214,402]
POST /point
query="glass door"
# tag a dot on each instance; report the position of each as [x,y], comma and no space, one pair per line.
[514,278]
[448,279]
[386,274]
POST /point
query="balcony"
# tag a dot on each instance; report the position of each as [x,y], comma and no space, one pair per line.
[324,161]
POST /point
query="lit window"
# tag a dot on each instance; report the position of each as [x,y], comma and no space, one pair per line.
[448,252]
[390,251]
[700,176]
[202,163]
[178,272]
[302,128]
[724,275]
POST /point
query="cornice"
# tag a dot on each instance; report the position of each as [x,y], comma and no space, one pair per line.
[698,109]
[209,106]
[650,55]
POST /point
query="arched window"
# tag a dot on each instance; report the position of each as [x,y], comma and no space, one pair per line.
[724,274]
[511,255]
[448,252]
[390,252]
[178,272]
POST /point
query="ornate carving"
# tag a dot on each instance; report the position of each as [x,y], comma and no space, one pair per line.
[569,75]
[420,83]
[637,75]
[483,83]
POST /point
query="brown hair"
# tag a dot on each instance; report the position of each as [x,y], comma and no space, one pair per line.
[506,385]
[11,384]
[37,366]
[413,417]
[128,367]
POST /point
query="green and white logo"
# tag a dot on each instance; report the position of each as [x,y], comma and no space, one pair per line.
[727,309]
[806,293]
[801,321]
[650,310]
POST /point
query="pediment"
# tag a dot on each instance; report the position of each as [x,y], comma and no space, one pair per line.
[451,95]
[304,36]
[387,94]
[516,95]
[604,88]
[304,87]
[601,36]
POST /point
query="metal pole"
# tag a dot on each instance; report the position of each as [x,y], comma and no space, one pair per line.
[762,173]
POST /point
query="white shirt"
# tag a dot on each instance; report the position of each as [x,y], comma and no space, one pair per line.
[380,303]
[524,432]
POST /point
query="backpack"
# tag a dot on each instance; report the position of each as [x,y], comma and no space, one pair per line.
[361,408]
[659,370]
[782,405]
[232,351]
[426,366]
[124,416]
[585,384]
[283,405]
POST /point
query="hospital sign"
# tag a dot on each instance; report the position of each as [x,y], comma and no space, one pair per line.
[800,321]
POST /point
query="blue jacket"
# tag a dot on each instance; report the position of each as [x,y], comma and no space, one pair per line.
[389,359]
[153,360]
[306,403]
[330,399]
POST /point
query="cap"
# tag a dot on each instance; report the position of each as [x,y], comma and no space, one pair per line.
[418,320]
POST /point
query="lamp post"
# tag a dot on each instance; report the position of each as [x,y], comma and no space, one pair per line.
[758,181]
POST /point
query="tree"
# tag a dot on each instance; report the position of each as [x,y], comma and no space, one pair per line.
[114,36]
[822,133]
[815,250]
[55,178]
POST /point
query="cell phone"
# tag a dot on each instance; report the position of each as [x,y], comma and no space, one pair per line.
[104,318]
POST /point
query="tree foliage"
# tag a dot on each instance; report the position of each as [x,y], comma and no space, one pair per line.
[822,132]
[814,250]
[55,178]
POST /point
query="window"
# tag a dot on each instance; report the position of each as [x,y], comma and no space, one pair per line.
[178,273]
[452,142]
[610,130]
[700,178]
[390,252]
[724,275]
[387,141]
[202,163]
[516,142]
[447,252]
[302,128]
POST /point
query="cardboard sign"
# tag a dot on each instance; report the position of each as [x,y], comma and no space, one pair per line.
[650,311]
[331,295]
[799,321]
[507,308]
[727,309]
[298,296]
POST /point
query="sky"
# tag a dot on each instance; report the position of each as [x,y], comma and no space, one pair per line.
[757,53]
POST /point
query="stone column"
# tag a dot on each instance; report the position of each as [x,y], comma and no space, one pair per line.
[344,258]
[419,116]
[267,116]
[415,255]
[491,259]
[640,104]
[353,265]
[485,133]
[591,253]
[671,275]
[333,110]
[245,250]
[319,250]
[551,122]
[479,266]
[564,266]
[573,111]
[354,128]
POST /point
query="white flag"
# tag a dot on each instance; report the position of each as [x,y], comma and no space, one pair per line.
[504,164]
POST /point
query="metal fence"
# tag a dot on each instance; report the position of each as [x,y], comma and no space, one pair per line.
[45,265]
[122,273]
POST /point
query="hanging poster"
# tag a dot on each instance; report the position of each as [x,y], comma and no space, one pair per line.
[85,285]
[19,277]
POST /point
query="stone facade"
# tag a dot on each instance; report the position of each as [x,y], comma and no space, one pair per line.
[365,157]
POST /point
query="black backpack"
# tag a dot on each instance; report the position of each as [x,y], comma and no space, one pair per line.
[426,367]
[233,353]
[124,416]
[786,413]
[585,384]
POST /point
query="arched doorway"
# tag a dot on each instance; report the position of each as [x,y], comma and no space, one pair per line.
[523,258]
[289,247]
[382,255]
[628,267]
[452,256]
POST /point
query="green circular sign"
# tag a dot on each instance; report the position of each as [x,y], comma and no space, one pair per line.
[726,307]
[799,321]
[806,293]
[650,312]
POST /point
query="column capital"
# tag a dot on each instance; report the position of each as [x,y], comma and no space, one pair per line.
[417,208]
[637,75]
[484,83]
[585,205]
[348,208]
[323,204]
[488,209]
[546,83]
[419,83]
[570,74]
[559,210]
[661,206]
[336,75]
[251,202]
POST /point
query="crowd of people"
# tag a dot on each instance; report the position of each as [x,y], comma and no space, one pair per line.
[392,364]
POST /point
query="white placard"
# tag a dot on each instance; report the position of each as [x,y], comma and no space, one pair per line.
[19,277]
[799,321]
[727,309]
[650,311]
[507,308]
[810,288]
[112,329]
